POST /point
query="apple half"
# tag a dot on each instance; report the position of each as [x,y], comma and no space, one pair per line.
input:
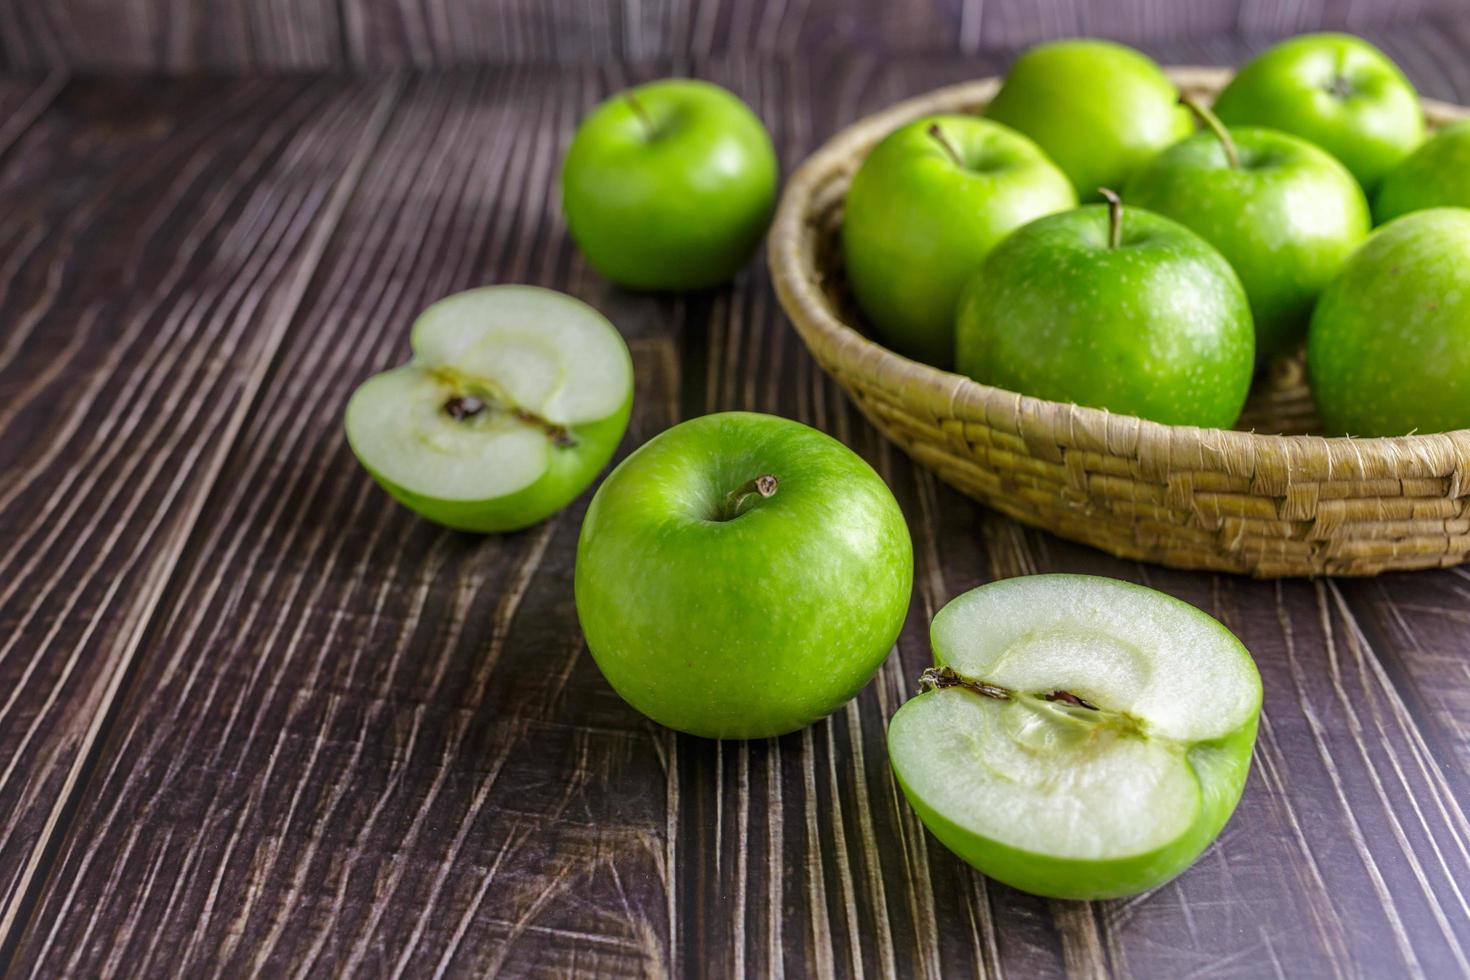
[516,397]
[1079,737]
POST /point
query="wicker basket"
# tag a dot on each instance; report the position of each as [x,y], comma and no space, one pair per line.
[1238,501]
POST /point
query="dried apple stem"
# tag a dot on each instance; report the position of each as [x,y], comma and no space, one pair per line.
[1115,216]
[1213,123]
[763,486]
[937,134]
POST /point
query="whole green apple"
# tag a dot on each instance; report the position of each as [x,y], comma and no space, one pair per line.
[741,576]
[515,399]
[1337,91]
[1437,175]
[1113,308]
[1388,351]
[1079,737]
[669,185]
[925,208]
[1099,109]
[1285,214]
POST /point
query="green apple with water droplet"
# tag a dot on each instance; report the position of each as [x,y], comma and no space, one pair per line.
[1113,307]
[1388,350]
[1285,214]
[741,576]
[1078,737]
[514,400]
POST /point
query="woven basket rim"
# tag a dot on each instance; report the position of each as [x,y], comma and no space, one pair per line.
[798,287]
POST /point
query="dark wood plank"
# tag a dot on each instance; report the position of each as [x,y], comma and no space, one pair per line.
[155,240]
[360,743]
[317,34]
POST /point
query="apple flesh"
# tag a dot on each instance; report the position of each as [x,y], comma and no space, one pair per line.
[1100,110]
[1437,175]
[741,576]
[515,398]
[669,186]
[1285,214]
[1079,737]
[1335,90]
[1112,307]
[1388,351]
[925,208]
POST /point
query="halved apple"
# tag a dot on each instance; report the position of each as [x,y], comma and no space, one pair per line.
[1079,737]
[516,397]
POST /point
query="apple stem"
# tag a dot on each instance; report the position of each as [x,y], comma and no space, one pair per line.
[1213,123]
[763,486]
[1115,216]
[938,136]
[640,112]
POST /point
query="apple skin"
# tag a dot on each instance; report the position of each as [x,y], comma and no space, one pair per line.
[570,471]
[747,627]
[1100,110]
[1388,351]
[916,224]
[1056,313]
[1437,175]
[1222,766]
[1286,219]
[682,207]
[1377,123]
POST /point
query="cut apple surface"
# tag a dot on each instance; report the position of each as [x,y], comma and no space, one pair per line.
[515,398]
[1079,737]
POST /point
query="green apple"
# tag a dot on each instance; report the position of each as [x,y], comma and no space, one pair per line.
[1284,213]
[1080,737]
[1437,175]
[515,398]
[741,576]
[925,207]
[1388,351]
[1130,312]
[669,185]
[1337,91]
[1099,109]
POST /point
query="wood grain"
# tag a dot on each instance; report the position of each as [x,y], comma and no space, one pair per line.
[321,34]
[345,741]
[154,242]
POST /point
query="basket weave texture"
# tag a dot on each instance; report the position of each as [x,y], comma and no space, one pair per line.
[1239,500]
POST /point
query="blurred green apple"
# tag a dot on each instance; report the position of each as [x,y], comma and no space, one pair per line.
[1437,175]
[1337,91]
[1099,109]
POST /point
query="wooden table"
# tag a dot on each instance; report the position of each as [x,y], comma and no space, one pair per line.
[255,718]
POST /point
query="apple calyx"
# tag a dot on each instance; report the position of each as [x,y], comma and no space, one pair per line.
[1115,216]
[1340,87]
[937,135]
[472,397]
[759,488]
[1055,703]
[1212,122]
